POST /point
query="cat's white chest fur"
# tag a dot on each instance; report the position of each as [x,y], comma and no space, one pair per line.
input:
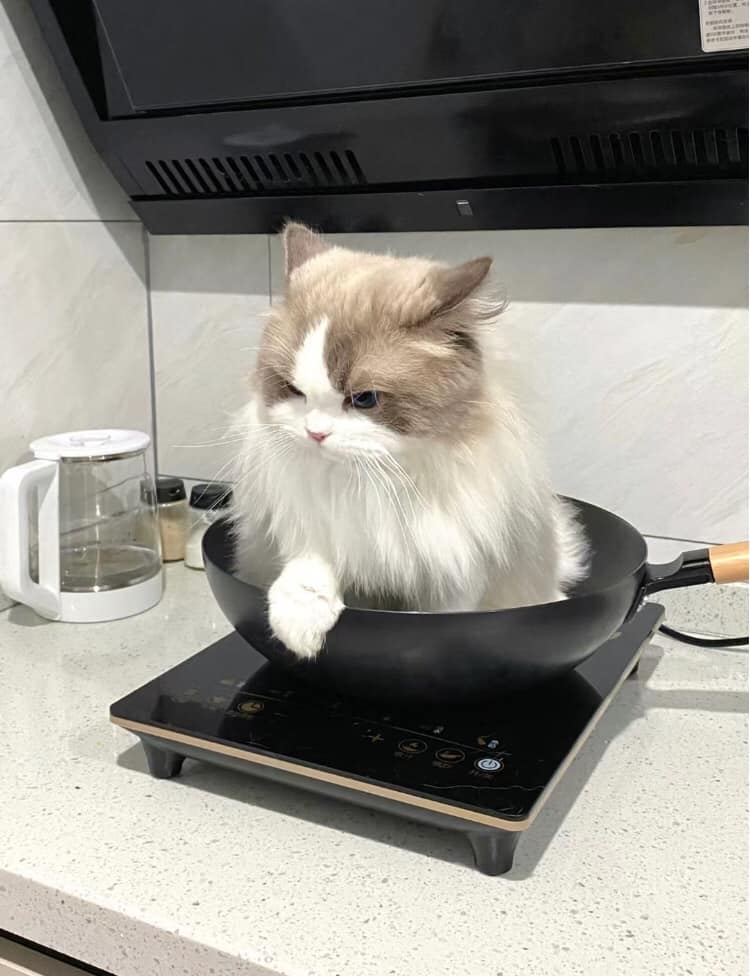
[381,528]
[448,530]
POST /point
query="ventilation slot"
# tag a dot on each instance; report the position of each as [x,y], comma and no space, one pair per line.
[649,154]
[260,173]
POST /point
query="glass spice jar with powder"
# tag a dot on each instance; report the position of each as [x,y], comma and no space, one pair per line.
[208,502]
[171,499]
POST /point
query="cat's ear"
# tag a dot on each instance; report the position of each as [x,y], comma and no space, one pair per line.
[451,286]
[300,244]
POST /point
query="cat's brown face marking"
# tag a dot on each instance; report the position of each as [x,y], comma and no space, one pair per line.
[404,327]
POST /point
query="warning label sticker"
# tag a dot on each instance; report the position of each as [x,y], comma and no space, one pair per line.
[723,24]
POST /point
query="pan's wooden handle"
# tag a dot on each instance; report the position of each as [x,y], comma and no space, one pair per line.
[729,563]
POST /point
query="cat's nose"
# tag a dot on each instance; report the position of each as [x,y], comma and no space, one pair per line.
[318,425]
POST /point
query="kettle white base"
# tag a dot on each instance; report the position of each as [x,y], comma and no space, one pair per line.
[94,608]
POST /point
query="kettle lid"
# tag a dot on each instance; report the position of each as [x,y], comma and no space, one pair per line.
[90,444]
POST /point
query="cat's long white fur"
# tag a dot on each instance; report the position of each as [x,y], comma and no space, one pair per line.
[440,526]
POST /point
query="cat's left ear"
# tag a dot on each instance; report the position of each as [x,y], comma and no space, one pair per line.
[300,245]
[451,286]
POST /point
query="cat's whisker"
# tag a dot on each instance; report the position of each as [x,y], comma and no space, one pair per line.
[357,467]
[405,481]
[408,522]
[353,471]
[404,476]
[388,474]
[395,503]
[232,435]
[232,462]
[223,469]
[251,477]
[218,443]
[392,496]
[368,472]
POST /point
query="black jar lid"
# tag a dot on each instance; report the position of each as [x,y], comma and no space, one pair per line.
[213,494]
[169,489]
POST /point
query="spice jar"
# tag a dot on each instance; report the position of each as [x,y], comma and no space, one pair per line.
[208,502]
[172,504]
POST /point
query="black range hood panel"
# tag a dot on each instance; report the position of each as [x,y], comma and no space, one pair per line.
[232,117]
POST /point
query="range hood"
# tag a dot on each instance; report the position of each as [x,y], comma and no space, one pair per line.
[231,117]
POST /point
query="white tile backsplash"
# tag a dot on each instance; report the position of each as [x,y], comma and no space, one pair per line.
[208,295]
[647,412]
[73,331]
[676,266]
[636,340]
[48,168]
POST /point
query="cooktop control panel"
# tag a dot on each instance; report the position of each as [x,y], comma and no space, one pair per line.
[498,758]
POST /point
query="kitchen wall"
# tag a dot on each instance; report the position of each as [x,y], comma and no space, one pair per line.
[74,348]
[637,339]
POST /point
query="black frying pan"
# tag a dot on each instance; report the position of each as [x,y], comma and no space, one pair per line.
[462,658]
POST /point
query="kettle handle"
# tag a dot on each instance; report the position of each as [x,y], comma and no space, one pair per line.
[16,486]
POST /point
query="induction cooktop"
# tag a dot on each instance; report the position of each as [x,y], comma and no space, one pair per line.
[486,771]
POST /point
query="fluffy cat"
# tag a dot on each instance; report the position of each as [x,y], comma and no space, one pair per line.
[386,455]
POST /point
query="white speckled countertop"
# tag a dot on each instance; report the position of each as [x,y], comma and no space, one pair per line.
[637,864]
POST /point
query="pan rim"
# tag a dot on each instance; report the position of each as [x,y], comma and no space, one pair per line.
[223,526]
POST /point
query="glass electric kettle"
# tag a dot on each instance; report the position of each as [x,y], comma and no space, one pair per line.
[79,538]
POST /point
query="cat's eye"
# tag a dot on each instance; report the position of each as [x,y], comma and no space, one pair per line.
[365,400]
[293,391]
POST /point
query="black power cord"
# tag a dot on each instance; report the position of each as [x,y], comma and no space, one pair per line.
[704,641]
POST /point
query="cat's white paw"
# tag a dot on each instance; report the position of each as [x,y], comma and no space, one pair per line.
[303,604]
